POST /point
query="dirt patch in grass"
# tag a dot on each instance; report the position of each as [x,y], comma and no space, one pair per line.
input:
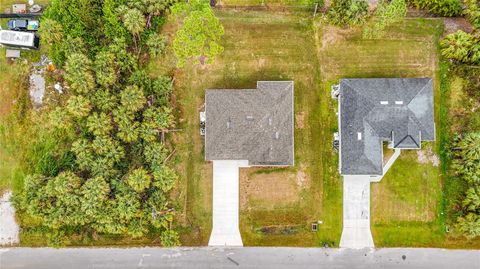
[332,35]
[302,177]
[454,24]
[300,120]
[425,156]
[267,190]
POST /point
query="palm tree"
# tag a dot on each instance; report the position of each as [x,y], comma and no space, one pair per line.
[134,21]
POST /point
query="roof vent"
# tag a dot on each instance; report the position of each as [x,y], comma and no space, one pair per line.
[249,117]
[384,102]
[229,123]
[270,121]
[399,102]
[277,135]
[359,136]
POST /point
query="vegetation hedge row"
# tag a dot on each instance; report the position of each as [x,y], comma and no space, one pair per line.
[447,8]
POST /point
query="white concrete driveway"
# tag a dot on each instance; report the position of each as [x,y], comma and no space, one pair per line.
[356,213]
[225,229]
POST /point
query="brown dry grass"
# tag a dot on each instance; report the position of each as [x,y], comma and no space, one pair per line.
[267,191]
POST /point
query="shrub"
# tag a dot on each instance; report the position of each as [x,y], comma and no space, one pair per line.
[156,44]
[348,12]
[461,47]
[472,11]
[386,14]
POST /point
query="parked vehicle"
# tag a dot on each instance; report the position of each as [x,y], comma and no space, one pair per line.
[17,39]
[23,25]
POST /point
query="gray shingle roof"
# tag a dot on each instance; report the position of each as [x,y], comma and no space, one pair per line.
[376,110]
[253,124]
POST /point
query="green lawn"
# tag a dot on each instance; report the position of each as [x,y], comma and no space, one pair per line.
[406,203]
[265,46]
[280,46]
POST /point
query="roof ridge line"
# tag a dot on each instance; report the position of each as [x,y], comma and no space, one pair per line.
[415,96]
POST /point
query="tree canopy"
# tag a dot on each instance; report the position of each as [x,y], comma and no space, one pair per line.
[110,122]
[199,37]
[467,166]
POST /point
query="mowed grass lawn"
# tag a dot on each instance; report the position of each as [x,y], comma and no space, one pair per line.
[279,205]
[406,205]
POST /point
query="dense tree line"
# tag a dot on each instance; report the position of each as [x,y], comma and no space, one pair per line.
[111,173]
[466,165]
[447,8]
[463,49]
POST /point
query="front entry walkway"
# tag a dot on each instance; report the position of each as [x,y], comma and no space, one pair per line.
[356,213]
[225,229]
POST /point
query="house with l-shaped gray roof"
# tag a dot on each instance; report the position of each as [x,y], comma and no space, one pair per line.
[243,128]
[371,111]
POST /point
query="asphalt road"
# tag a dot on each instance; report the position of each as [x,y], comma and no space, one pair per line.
[46,258]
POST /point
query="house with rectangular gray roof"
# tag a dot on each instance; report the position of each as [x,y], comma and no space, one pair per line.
[371,111]
[243,128]
[251,124]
